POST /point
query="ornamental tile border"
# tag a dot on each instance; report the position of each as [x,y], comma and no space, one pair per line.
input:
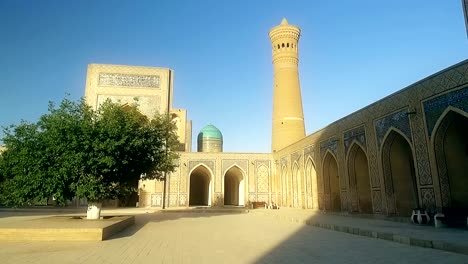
[435,107]
[358,134]
[399,120]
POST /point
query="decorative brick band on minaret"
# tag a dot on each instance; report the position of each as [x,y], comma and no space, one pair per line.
[288,117]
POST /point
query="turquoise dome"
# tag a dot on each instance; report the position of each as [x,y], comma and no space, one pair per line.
[210,132]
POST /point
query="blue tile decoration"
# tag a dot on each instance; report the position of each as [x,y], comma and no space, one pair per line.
[284,161]
[434,107]
[358,134]
[241,163]
[309,152]
[295,157]
[129,80]
[207,163]
[329,144]
[399,120]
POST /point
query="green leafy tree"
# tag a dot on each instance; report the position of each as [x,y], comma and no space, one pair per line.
[40,161]
[126,146]
[20,165]
[73,151]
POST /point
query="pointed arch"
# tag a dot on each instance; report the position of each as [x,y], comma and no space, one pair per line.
[284,182]
[331,181]
[399,173]
[448,111]
[201,165]
[396,130]
[295,184]
[330,153]
[355,142]
[200,187]
[310,184]
[234,186]
[238,167]
[359,181]
[450,144]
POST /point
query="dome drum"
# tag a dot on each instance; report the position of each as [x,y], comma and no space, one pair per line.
[210,139]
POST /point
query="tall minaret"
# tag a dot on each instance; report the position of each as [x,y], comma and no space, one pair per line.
[288,118]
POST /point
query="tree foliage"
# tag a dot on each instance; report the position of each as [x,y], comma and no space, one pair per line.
[73,151]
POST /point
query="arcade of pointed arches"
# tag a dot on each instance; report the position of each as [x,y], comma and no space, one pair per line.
[299,187]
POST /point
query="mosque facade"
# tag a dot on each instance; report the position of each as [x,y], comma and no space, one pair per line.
[408,150]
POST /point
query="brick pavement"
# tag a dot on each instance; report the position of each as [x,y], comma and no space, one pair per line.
[447,239]
[222,238]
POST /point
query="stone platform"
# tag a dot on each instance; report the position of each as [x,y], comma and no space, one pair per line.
[64,228]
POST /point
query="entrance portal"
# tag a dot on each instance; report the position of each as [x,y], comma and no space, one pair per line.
[234,187]
[200,186]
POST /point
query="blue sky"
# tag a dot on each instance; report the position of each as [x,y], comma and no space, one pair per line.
[352,53]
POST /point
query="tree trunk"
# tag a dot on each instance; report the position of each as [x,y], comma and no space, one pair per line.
[94,210]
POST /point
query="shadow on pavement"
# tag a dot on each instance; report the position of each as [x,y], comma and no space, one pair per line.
[170,215]
[373,237]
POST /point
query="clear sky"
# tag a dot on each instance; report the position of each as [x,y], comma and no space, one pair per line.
[352,53]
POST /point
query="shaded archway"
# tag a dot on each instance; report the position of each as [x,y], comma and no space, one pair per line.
[200,186]
[451,151]
[332,179]
[310,184]
[399,175]
[358,170]
[234,186]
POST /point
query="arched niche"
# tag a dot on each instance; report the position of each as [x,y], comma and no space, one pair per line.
[284,185]
[359,181]
[234,186]
[451,152]
[200,186]
[296,190]
[332,182]
[310,184]
[399,174]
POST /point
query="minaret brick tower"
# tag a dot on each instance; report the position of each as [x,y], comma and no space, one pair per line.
[288,117]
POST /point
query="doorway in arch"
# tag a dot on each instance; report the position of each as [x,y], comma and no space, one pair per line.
[399,175]
[234,187]
[200,187]
[332,179]
[358,170]
[451,152]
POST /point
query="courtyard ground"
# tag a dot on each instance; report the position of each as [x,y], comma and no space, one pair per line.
[261,236]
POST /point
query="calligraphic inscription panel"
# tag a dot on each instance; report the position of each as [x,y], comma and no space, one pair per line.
[128,80]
